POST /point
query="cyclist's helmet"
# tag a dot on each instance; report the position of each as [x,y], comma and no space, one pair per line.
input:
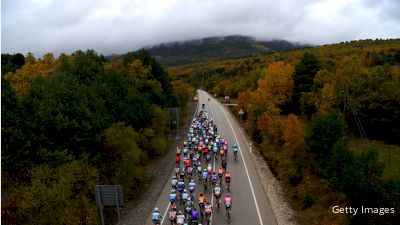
[156,210]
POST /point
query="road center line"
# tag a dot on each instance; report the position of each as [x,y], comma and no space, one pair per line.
[245,166]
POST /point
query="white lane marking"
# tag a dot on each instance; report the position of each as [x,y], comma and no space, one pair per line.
[245,166]
[165,214]
[169,203]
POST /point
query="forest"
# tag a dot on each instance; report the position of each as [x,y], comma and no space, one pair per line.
[72,122]
[324,119]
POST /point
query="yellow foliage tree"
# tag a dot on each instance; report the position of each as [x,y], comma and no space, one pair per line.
[23,77]
[293,134]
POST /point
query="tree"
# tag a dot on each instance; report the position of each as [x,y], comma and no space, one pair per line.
[293,134]
[56,195]
[22,78]
[322,134]
[304,73]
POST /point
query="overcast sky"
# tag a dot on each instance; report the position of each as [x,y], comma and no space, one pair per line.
[119,26]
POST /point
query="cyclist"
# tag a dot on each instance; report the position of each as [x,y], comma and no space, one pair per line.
[181,174]
[205,176]
[172,197]
[192,188]
[199,170]
[177,169]
[188,163]
[224,163]
[180,218]
[185,196]
[188,209]
[208,211]
[156,216]
[172,216]
[217,194]
[174,182]
[214,178]
[194,216]
[209,169]
[178,150]
[235,149]
[177,160]
[202,200]
[228,203]
[181,187]
[189,171]
[227,179]
[220,174]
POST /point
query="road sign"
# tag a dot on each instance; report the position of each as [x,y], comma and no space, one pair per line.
[108,195]
[241,112]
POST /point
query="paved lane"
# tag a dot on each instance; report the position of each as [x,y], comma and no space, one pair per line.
[250,203]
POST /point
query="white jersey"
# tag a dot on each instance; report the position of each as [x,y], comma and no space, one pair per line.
[185,196]
[217,191]
[192,186]
[180,219]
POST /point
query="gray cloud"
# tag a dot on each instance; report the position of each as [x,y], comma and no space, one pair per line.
[57,26]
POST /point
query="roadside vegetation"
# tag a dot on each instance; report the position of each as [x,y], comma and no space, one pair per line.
[311,113]
[72,122]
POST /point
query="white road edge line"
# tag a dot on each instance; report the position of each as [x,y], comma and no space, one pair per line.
[169,203]
[166,210]
[245,166]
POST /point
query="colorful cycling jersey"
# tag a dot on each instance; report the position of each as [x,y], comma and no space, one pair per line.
[195,215]
[189,170]
[207,209]
[217,191]
[209,168]
[172,215]
[192,186]
[172,197]
[205,174]
[155,216]
[228,201]
[181,185]
[215,149]
[214,176]
[185,196]
[201,199]
[180,219]
[199,169]
[174,182]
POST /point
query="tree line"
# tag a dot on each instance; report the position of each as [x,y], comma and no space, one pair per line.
[72,122]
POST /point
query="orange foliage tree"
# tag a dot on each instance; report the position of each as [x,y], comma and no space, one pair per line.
[293,134]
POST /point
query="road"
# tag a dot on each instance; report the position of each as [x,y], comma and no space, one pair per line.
[250,205]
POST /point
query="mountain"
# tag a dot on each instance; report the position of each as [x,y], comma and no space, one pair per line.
[216,48]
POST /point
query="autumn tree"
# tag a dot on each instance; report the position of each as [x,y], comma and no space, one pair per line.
[293,134]
[22,78]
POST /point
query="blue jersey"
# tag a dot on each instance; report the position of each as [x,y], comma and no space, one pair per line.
[195,215]
[205,174]
[181,185]
[155,216]
[172,197]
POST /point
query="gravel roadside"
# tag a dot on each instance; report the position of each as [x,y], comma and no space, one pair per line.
[134,213]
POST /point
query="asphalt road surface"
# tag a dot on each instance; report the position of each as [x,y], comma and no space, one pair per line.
[250,204]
